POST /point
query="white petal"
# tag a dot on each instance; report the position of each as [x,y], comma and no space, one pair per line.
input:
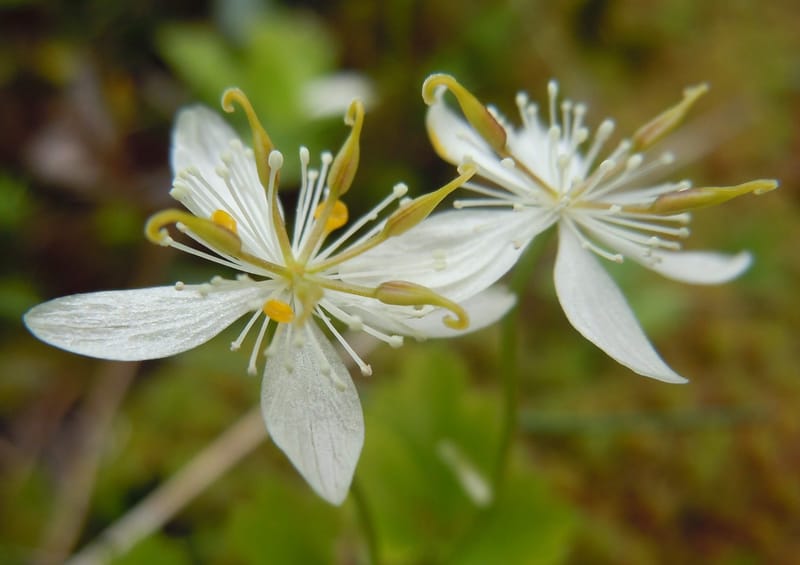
[312,411]
[595,306]
[698,267]
[457,253]
[133,325]
[203,146]
[483,310]
[199,138]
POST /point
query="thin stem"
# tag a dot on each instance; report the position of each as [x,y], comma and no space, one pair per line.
[367,523]
[509,366]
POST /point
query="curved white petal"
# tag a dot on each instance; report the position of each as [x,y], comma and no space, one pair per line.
[311,409]
[595,306]
[199,137]
[214,170]
[698,267]
[133,325]
[457,253]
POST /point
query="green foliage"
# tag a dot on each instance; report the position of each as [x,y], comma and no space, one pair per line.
[422,512]
[279,55]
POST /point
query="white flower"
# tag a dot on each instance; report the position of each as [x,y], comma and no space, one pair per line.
[309,402]
[543,174]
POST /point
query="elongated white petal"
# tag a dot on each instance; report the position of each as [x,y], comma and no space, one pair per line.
[596,307]
[133,325]
[311,409]
[457,253]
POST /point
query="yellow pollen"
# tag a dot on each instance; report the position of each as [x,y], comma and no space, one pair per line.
[223,219]
[278,310]
[338,216]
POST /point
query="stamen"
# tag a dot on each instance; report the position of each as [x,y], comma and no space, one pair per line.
[366,370]
[600,137]
[278,310]
[237,343]
[251,367]
[304,196]
[398,191]
[589,245]
[552,95]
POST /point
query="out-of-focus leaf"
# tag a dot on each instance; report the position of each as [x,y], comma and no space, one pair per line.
[14,203]
[157,549]
[280,55]
[526,525]
[422,511]
[16,296]
[281,522]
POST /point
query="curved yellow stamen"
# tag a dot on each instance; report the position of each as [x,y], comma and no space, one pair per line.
[476,113]
[344,166]
[338,216]
[700,197]
[340,177]
[278,310]
[262,144]
[219,237]
[420,208]
[403,293]
[667,120]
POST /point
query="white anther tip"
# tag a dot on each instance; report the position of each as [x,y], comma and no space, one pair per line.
[366,371]
[275,159]
[327,157]
[399,190]
[304,155]
[552,87]
[507,162]
[180,285]
[395,341]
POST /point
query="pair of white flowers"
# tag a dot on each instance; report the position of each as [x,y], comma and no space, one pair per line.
[411,273]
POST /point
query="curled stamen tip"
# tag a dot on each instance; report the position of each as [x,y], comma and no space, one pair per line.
[434,86]
[231,95]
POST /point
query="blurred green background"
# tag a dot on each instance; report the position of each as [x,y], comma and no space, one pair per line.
[608,467]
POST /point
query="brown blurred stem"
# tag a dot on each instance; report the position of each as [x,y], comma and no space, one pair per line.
[163,503]
[74,491]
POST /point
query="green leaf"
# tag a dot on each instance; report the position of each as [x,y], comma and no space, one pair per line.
[156,549]
[282,522]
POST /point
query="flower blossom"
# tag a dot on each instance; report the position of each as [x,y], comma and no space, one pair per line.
[388,278]
[546,172]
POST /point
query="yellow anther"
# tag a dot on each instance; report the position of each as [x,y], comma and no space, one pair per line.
[666,121]
[403,293]
[476,113]
[223,219]
[336,219]
[278,310]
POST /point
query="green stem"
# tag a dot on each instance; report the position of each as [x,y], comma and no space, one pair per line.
[367,524]
[509,365]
